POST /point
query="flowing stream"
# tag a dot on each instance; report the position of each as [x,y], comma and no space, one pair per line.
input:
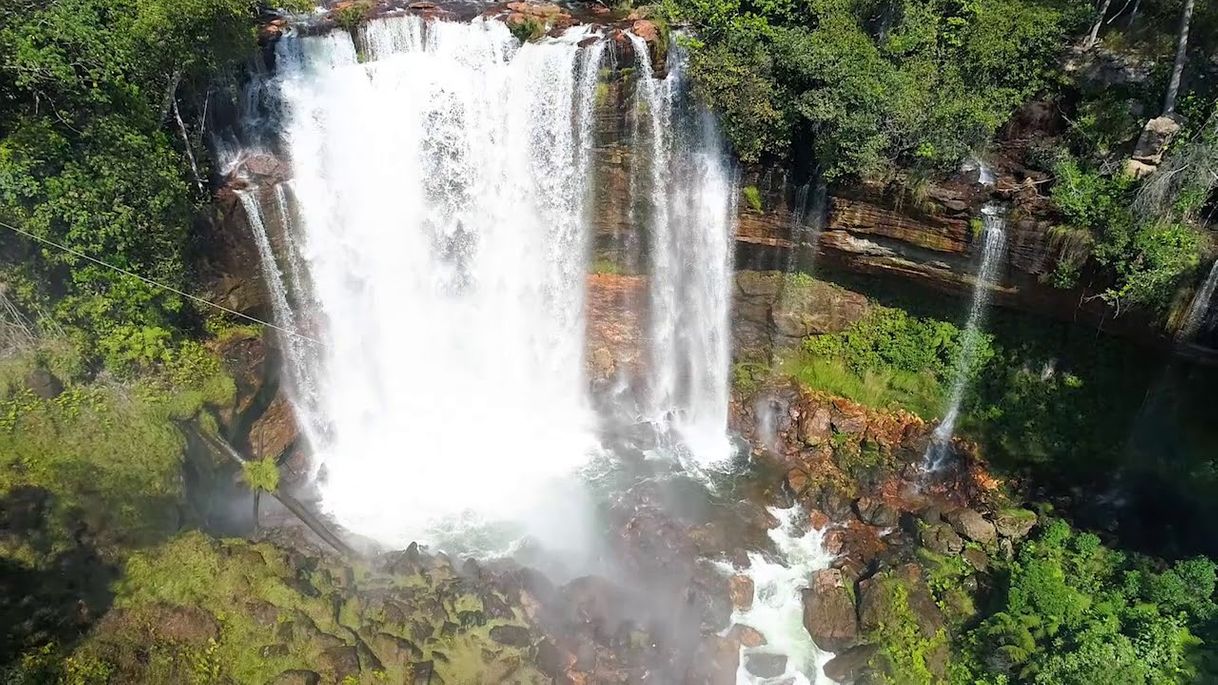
[691,198]
[993,241]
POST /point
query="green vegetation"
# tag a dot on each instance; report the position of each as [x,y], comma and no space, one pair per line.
[1070,610]
[872,86]
[97,154]
[351,16]
[261,474]
[527,29]
[753,197]
[889,359]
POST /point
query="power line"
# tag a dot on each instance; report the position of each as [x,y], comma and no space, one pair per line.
[149,281]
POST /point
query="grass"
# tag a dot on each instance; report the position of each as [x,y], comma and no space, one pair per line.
[918,393]
[752,196]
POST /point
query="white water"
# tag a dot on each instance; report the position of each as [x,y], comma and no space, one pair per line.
[993,242]
[441,186]
[777,610]
[691,198]
[1199,307]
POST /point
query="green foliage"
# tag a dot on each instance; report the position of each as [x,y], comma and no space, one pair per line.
[527,29]
[905,652]
[110,455]
[752,196]
[1074,611]
[1147,259]
[90,156]
[916,82]
[351,16]
[261,474]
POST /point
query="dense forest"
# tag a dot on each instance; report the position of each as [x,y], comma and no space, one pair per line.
[108,183]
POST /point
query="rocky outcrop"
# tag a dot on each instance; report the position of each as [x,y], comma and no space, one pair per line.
[829,614]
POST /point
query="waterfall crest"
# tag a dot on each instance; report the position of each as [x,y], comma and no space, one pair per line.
[440,177]
[992,245]
[691,200]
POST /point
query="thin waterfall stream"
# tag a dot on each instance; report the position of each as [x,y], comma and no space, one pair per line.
[1199,308]
[993,242]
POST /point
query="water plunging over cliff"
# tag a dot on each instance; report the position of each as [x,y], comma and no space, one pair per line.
[992,243]
[1200,306]
[440,175]
[691,198]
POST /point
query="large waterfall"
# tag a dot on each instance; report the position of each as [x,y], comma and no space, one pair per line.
[993,240]
[690,194]
[440,175]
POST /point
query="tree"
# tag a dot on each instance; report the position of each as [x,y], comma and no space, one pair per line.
[1177,70]
[1095,28]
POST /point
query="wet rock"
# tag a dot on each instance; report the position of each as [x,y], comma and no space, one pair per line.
[797,482]
[43,383]
[747,636]
[972,525]
[341,661]
[876,512]
[849,666]
[829,615]
[715,662]
[512,636]
[646,30]
[740,589]
[297,676]
[941,539]
[834,541]
[766,665]
[1014,523]
[818,519]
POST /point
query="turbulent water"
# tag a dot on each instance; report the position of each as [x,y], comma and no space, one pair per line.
[1200,306]
[691,198]
[440,173]
[992,245]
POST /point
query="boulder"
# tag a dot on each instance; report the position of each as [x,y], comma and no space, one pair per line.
[979,560]
[1155,138]
[765,665]
[818,519]
[43,383]
[512,636]
[880,596]
[829,615]
[797,482]
[972,525]
[941,539]
[740,589]
[876,512]
[835,504]
[747,636]
[1014,523]
[815,426]
[646,30]
[851,664]
[342,661]
[297,676]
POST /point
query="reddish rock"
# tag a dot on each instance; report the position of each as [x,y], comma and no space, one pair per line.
[818,519]
[797,481]
[646,30]
[740,589]
[815,427]
[746,636]
[972,525]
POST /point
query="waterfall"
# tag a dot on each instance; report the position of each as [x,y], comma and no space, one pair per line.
[440,180]
[1199,307]
[691,198]
[993,241]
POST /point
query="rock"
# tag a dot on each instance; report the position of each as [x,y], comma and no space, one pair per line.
[187,625]
[931,514]
[851,664]
[766,665]
[421,673]
[815,427]
[740,589]
[512,636]
[43,383]
[972,525]
[1138,169]
[274,651]
[818,519]
[715,663]
[646,30]
[829,615]
[297,676]
[853,422]
[1014,523]
[265,166]
[880,595]
[603,365]
[747,636]
[941,539]
[797,482]
[391,649]
[1156,136]
[835,503]
[876,512]
[834,541]
[976,558]
[342,661]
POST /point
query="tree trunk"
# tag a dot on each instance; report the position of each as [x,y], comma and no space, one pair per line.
[1099,21]
[1173,87]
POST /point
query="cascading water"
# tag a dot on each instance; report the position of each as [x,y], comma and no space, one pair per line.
[691,198]
[1199,307]
[440,177]
[992,243]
